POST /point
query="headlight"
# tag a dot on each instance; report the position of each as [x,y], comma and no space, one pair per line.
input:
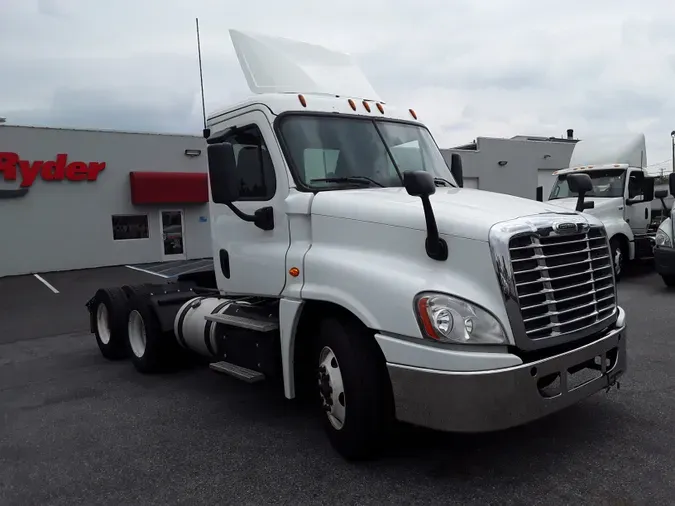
[448,319]
[662,239]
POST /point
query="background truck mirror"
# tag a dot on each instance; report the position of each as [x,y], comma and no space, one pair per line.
[671,184]
[456,169]
[648,189]
[223,177]
[540,193]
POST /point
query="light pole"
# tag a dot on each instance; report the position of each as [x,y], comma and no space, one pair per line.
[672,141]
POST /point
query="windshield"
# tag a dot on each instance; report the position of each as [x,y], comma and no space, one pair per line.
[325,147]
[606,183]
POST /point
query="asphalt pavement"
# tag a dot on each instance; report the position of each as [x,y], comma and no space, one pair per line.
[76,429]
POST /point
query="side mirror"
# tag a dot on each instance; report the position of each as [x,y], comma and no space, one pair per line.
[540,193]
[671,183]
[223,177]
[580,184]
[421,184]
[456,169]
[648,189]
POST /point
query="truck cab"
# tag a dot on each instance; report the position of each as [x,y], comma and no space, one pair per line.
[351,265]
[664,253]
[621,195]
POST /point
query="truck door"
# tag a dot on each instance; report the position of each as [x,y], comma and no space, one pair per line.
[638,205]
[249,260]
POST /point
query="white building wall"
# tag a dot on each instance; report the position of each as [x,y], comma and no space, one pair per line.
[62,225]
[513,166]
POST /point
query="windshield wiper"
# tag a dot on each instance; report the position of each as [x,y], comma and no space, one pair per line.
[443,182]
[348,179]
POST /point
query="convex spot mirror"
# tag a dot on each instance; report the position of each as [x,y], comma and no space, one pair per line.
[579,183]
[419,183]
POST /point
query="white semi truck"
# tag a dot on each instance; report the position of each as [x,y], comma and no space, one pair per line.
[621,195]
[350,264]
[664,253]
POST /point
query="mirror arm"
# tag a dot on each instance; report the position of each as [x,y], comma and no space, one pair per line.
[437,248]
[263,217]
[580,202]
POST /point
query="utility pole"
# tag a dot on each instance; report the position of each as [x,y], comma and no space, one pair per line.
[672,141]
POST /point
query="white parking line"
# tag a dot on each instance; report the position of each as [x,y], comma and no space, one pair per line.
[46,283]
[147,272]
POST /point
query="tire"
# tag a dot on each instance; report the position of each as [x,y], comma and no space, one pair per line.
[669,280]
[349,361]
[618,257]
[151,350]
[109,321]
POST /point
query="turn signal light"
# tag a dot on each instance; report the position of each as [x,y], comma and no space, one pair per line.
[294,271]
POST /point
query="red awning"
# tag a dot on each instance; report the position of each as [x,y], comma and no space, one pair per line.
[169,188]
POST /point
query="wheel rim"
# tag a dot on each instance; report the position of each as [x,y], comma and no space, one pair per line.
[331,388]
[137,338]
[103,323]
[618,261]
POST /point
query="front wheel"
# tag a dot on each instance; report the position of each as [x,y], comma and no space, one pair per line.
[355,394]
[618,258]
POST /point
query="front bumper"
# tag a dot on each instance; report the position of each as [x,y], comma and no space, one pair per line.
[484,401]
[664,261]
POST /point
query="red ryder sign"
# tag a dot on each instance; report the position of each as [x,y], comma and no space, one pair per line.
[13,167]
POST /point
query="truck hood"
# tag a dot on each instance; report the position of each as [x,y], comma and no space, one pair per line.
[604,207]
[461,212]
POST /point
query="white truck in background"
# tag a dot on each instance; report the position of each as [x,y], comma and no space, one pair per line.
[664,253]
[350,264]
[620,196]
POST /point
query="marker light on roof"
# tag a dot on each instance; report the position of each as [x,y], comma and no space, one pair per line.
[352,104]
[366,105]
[380,108]
[303,102]
[412,113]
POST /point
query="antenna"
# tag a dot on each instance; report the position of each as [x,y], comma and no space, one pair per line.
[201,78]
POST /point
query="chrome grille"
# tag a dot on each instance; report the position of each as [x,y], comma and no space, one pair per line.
[564,283]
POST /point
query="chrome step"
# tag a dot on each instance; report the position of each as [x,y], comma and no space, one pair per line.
[244,323]
[247,375]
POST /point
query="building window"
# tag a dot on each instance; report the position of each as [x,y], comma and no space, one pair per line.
[130,227]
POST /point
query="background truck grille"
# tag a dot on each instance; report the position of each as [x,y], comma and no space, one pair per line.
[564,283]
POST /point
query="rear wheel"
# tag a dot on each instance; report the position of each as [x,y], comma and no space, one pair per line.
[150,349]
[109,322]
[354,391]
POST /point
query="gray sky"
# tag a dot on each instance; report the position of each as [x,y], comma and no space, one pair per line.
[469,68]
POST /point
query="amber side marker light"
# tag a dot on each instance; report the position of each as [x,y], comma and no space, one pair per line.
[380,108]
[422,308]
[294,271]
[352,104]
[366,105]
[412,113]
[303,102]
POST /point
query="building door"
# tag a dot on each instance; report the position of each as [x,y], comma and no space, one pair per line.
[173,234]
